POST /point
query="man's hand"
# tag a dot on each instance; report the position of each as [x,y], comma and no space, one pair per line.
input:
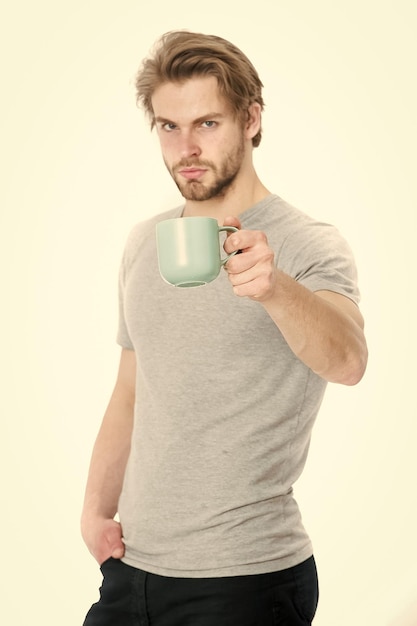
[103,538]
[252,273]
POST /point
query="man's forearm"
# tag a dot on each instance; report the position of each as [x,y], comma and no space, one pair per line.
[108,461]
[325,330]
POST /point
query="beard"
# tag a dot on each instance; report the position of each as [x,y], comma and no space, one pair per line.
[223,175]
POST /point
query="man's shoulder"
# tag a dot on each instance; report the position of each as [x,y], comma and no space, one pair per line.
[285,211]
[282,218]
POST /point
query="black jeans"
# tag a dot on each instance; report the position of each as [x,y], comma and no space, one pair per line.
[132,597]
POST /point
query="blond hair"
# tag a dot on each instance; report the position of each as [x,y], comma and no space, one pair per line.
[180,55]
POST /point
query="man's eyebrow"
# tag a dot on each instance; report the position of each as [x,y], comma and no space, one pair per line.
[208,117]
[162,120]
[203,118]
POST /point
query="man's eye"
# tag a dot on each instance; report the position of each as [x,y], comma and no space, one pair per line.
[169,126]
[209,124]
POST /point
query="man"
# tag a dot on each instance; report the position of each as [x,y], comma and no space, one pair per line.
[209,423]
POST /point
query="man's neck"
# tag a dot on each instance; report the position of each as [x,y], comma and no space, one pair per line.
[233,203]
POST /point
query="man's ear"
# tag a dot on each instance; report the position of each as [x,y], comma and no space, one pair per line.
[253,120]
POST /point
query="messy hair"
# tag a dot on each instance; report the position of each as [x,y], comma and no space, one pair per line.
[180,55]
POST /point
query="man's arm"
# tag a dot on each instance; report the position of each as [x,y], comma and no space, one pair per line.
[101,533]
[324,329]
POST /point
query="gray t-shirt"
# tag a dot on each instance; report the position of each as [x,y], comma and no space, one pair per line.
[224,409]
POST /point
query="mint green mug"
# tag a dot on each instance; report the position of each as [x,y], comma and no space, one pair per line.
[189,250]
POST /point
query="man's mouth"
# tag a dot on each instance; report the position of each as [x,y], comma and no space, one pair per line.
[192,173]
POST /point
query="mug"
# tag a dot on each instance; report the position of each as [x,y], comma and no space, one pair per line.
[189,250]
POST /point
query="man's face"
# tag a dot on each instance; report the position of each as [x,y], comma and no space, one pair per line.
[202,141]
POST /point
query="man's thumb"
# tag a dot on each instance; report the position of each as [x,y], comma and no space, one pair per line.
[118,552]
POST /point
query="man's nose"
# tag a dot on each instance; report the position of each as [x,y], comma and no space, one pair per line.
[189,145]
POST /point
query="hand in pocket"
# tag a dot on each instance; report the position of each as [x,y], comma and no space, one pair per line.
[104,539]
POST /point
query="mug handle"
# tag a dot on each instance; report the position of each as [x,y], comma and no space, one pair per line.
[228,229]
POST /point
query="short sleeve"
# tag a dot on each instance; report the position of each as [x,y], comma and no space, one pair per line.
[320,258]
[123,337]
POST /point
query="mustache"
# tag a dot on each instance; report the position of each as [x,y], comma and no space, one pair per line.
[192,163]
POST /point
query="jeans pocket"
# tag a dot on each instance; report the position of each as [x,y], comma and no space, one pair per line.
[307,588]
[296,595]
[109,562]
[105,563]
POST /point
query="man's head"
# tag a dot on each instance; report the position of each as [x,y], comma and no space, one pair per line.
[182,55]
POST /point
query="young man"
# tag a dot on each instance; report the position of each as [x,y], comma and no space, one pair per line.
[209,423]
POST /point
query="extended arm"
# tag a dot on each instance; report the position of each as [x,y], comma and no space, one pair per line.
[324,329]
[100,531]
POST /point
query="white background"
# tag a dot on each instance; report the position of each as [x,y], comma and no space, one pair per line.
[80,167]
